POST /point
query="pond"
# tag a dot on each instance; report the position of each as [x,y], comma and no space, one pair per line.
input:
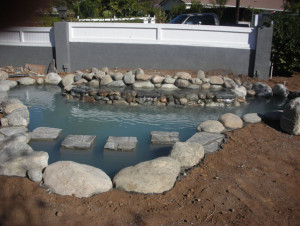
[48,108]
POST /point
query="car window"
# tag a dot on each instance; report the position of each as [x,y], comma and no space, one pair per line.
[179,19]
[208,20]
[193,20]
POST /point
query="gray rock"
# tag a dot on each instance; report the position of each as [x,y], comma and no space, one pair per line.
[192,97]
[94,83]
[11,150]
[4,88]
[183,101]
[157,79]
[251,118]
[205,86]
[143,85]
[229,83]
[188,154]
[139,71]
[94,70]
[215,87]
[251,93]
[117,76]
[35,174]
[12,84]
[216,80]
[160,137]
[17,137]
[155,176]
[78,142]
[19,117]
[106,80]
[118,83]
[26,81]
[121,143]
[201,74]
[169,80]
[45,133]
[120,102]
[183,75]
[195,81]
[143,77]
[211,126]
[18,166]
[248,85]
[169,86]
[3,97]
[262,89]
[231,121]
[71,178]
[290,120]
[89,76]
[104,69]
[68,80]
[78,76]
[209,141]
[9,131]
[53,79]
[129,78]
[240,91]
[80,82]
[280,90]
[40,81]
[12,104]
[3,75]
[182,83]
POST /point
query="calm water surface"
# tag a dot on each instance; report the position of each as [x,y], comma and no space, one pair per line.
[49,109]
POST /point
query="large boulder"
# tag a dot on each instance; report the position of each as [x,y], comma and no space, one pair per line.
[290,120]
[52,78]
[3,75]
[280,90]
[262,89]
[12,104]
[154,176]
[240,91]
[129,78]
[106,80]
[211,126]
[26,81]
[231,121]
[10,83]
[71,178]
[188,154]
[19,117]
[68,80]
[143,85]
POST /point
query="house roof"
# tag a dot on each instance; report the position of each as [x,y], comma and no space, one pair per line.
[258,4]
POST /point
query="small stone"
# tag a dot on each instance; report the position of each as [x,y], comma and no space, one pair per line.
[169,86]
[35,174]
[53,79]
[216,80]
[129,78]
[26,81]
[169,80]
[40,81]
[157,79]
[3,75]
[251,118]
[106,80]
[94,83]
[280,90]
[68,80]
[231,121]
[182,83]
[142,77]
[117,76]
[211,126]
[143,85]
[262,90]
[183,75]
[205,86]
[201,74]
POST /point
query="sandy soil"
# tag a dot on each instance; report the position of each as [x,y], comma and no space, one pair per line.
[253,180]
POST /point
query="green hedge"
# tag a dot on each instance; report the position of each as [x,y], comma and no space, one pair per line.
[286,44]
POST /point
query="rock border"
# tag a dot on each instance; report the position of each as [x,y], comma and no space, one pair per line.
[16,114]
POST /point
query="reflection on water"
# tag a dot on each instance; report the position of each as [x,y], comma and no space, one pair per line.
[48,108]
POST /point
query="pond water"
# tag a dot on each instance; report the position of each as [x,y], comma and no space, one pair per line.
[49,109]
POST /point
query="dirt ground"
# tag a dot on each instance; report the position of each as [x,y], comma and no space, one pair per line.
[253,180]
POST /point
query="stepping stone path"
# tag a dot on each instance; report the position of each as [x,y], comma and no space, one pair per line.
[209,141]
[45,133]
[78,142]
[154,176]
[71,178]
[160,137]
[121,143]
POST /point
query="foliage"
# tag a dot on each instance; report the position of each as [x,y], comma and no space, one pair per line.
[196,7]
[160,16]
[292,5]
[286,42]
[219,7]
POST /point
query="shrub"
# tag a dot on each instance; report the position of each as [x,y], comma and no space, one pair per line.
[286,42]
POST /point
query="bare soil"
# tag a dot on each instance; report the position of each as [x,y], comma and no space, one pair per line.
[253,180]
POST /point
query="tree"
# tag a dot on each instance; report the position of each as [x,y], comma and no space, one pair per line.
[292,6]
[219,6]
[196,7]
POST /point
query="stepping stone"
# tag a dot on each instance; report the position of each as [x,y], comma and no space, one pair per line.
[209,141]
[45,133]
[160,137]
[78,142]
[9,131]
[121,143]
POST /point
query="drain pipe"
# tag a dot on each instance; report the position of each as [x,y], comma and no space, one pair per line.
[271,72]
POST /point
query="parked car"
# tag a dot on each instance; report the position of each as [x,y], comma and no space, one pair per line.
[197,19]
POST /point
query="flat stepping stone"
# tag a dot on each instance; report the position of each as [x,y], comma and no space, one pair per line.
[9,131]
[160,137]
[209,141]
[78,142]
[45,133]
[121,143]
